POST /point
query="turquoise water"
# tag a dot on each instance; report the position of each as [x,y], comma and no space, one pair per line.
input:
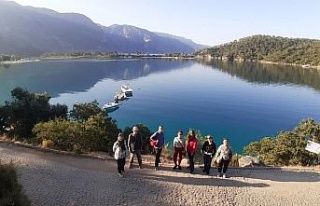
[241,101]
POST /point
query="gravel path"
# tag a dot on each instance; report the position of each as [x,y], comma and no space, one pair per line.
[51,179]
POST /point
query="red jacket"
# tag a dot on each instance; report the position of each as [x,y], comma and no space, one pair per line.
[192,145]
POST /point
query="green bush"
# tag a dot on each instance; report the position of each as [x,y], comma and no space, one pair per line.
[288,148]
[97,133]
[10,190]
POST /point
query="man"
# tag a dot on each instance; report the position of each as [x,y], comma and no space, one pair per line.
[158,138]
[135,146]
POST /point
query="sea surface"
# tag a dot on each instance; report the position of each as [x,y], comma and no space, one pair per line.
[241,101]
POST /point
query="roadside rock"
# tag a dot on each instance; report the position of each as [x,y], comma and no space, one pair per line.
[249,161]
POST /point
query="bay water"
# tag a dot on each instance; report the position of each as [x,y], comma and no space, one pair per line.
[241,101]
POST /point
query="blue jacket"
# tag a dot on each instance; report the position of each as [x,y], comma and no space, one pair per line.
[160,137]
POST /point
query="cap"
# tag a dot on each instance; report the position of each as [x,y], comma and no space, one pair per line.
[135,128]
[209,137]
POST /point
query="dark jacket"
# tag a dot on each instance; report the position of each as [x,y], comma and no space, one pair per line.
[209,149]
[134,142]
[157,136]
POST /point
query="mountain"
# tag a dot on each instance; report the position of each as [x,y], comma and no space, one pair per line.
[269,48]
[184,40]
[137,39]
[33,31]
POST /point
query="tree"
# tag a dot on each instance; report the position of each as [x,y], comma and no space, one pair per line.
[269,48]
[26,109]
[83,111]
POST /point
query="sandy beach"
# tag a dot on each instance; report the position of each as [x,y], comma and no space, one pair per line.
[53,179]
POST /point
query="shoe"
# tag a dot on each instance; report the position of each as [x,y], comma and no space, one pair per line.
[130,166]
[123,172]
[175,167]
[140,167]
[189,167]
[156,168]
[207,173]
[224,175]
[219,175]
[179,167]
[203,170]
[120,175]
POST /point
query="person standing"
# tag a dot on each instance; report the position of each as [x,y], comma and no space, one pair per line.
[209,149]
[192,143]
[135,146]
[223,157]
[178,145]
[158,139]
[120,153]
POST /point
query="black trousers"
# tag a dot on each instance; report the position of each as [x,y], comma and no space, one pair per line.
[191,161]
[223,165]
[121,163]
[207,159]
[158,154]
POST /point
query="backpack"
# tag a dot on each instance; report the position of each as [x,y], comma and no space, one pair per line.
[153,143]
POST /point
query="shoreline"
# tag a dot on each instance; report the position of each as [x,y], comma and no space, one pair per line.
[21,61]
[307,66]
[224,59]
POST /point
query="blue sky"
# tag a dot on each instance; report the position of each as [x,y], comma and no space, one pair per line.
[208,22]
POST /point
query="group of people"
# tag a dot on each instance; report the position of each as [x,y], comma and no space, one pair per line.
[182,146]
[134,147]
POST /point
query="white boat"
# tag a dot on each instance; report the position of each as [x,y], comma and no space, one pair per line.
[110,107]
[126,90]
[120,96]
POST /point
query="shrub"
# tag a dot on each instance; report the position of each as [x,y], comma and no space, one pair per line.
[95,134]
[287,148]
[10,190]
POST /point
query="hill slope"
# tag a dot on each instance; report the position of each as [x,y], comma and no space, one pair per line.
[269,48]
[33,31]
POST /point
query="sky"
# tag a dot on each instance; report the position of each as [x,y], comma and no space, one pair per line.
[208,22]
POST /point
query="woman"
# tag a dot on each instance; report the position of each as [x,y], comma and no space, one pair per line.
[178,145]
[223,158]
[192,144]
[209,150]
[120,153]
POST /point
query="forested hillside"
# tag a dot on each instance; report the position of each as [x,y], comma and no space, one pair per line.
[269,48]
